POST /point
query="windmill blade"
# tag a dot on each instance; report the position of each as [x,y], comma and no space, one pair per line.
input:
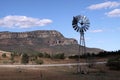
[81,30]
[74,26]
[87,23]
[86,28]
[78,30]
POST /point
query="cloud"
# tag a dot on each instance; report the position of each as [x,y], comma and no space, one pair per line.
[96,31]
[15,21]
[113,13]
[107,4]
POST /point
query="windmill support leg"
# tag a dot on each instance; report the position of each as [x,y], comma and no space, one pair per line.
[82,51]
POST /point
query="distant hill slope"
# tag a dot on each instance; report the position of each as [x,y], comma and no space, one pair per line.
[49,41]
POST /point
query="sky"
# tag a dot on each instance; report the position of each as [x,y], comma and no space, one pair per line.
[30,15]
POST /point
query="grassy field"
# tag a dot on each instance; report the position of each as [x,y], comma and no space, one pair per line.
[99,72]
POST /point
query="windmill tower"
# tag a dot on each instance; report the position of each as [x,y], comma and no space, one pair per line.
[81,24]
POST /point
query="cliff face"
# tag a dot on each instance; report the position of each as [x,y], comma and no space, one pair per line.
[49,41]
[32,34]
[51,37]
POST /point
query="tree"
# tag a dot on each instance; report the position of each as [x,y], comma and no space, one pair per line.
[4,55]
[25,59]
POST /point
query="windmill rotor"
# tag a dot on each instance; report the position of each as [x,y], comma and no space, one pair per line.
[80,23]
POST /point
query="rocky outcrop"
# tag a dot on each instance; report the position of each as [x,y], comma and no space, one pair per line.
[52,37]
[32,34]
[49,41]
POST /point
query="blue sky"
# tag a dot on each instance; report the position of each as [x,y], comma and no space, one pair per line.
[29,15]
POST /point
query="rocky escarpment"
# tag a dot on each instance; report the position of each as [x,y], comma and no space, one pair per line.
[32,34]
[48,41]
[51,37]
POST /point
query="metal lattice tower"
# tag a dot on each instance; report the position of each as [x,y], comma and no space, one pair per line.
[81,24]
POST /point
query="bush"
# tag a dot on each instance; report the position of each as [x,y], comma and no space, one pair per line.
[73,57]
[12,56]
[39,61]
[25,59]
[4,55]
[58,56]
[40,54]
[114,63]
[46,55]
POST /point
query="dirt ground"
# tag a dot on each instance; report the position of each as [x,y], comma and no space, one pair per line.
[57,73]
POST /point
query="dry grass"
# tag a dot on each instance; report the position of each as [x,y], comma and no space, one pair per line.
[31,74]
[57,73]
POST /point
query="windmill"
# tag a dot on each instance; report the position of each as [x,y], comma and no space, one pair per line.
[81,24]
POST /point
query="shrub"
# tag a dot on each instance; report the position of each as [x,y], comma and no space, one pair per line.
[73,57]
[46,55]
[114,63]
[12,56]
[40,54]
[4,55]
[39,61]
[5,62]
[25,59]
[59,56]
